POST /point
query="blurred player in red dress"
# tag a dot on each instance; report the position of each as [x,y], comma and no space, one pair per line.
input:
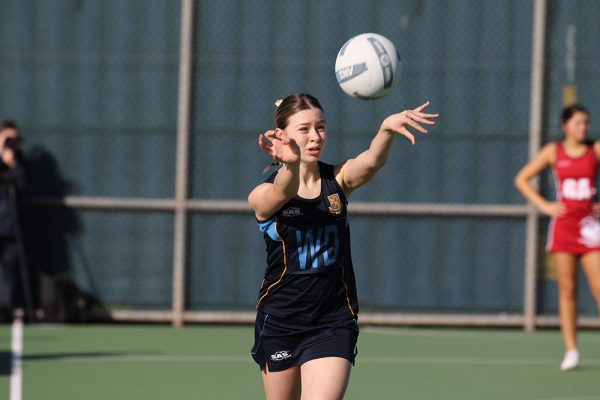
[574,232]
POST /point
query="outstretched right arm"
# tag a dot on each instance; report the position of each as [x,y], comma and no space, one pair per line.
[545,158]
[267,198]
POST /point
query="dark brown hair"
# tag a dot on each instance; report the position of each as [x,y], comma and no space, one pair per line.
[568,112]
[292,105]
[8,124]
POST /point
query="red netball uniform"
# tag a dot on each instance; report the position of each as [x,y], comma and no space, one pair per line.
[578,230]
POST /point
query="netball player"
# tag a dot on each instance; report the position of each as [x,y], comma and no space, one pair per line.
[574,232]
[306,324]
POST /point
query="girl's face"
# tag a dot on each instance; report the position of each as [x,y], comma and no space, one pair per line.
[309,129]
[577,126]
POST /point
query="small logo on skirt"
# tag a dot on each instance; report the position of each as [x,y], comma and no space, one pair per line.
[281,355]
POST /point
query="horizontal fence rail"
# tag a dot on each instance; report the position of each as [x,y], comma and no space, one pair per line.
[239,206]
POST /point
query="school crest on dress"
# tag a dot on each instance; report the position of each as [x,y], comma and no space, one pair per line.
[335,204]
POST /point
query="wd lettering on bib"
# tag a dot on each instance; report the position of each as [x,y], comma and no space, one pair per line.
[318,247]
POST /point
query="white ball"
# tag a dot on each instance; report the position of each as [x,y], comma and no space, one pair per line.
[367,66]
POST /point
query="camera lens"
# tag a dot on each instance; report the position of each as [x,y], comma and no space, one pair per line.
[12,142]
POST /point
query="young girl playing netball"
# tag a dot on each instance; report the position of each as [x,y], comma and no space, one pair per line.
[306,324]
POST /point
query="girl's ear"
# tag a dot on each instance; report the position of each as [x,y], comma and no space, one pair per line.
[279,133]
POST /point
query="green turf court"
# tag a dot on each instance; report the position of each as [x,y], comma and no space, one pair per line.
[212,362]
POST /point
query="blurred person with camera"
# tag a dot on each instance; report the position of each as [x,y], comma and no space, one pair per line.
[14,290]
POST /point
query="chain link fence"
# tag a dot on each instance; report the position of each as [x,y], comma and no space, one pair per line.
[140,175]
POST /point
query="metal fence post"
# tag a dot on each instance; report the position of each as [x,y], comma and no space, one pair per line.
[182,160]
[535,136]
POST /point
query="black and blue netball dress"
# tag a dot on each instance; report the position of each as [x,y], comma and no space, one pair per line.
[307,306]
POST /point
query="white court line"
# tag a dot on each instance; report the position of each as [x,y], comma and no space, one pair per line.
[361,360]
[160,359]
[584,397]
[16,375]
[498,361]
[520,336]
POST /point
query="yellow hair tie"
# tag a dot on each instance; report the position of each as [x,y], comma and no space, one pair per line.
[278,102]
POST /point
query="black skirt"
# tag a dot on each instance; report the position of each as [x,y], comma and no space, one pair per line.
[282,345]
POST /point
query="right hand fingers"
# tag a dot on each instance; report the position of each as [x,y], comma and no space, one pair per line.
[271,134]
[557,209]
[263,143]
